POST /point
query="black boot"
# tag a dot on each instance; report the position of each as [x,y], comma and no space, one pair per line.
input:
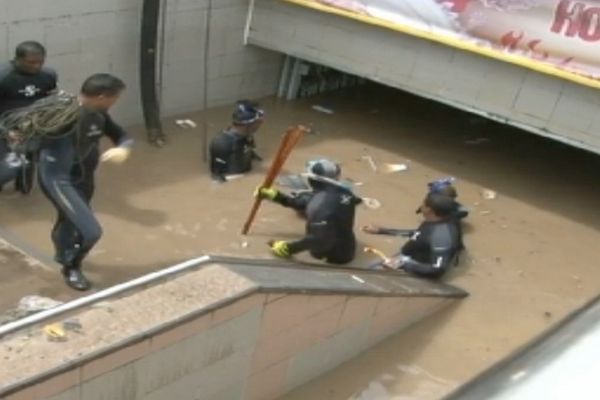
[75,279]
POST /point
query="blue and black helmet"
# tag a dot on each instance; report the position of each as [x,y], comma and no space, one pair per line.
[323,167]
[246,112]
[443,186]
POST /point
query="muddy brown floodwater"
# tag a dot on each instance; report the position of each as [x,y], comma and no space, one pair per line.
[532,251]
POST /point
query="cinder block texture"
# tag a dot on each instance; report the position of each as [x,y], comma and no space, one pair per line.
[545,105]
[88,36]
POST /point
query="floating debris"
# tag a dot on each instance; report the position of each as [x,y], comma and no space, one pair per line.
[488,194]
[371,162]
[186,123]
[234,177]
[322,109]
[370,203]
[391,168]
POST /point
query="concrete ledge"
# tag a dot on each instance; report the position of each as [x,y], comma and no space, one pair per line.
[231,330]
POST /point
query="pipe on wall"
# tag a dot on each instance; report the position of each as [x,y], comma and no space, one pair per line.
[149,70]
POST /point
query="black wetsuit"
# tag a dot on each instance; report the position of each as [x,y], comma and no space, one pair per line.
[17,90]
[330,222]
[432,248]
[296,200]
[459,213]
[66,171]
[231,153]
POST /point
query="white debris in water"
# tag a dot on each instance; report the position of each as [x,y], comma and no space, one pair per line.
[357,279]
[186,123]
[322,109]
[234,177]
[370,203]
[488,194]
[371,162]
[391,168]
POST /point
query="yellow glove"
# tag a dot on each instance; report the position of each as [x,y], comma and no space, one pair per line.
[280,249]
[266,193]
[116,155]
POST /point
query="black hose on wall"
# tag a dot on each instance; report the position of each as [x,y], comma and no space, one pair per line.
[148,70]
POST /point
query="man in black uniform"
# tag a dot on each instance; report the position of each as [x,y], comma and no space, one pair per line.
[433,247]
[23,81]
[66,167]
[233,149]
[329,215]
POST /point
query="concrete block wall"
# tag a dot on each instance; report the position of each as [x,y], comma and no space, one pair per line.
[545,105]
[87,36]
[256,348]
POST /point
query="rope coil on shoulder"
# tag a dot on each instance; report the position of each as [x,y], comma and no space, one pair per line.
[49,117]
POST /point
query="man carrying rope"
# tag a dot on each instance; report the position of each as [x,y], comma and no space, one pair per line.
[22,82]
[67,131]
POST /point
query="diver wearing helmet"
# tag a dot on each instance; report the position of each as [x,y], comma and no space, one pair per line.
[299,199]
[445,186]
[233,149]
[442,186]
[435,244]
[329,209]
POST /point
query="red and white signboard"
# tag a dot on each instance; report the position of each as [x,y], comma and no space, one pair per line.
[562,33]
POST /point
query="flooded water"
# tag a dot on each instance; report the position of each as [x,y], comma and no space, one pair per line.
[531,251]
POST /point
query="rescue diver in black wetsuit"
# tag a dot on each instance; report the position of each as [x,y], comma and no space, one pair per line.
[434,246]
[22,82]
[329,213]
[233,149]
[66,171]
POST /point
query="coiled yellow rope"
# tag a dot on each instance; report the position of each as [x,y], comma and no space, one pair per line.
[50,117]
